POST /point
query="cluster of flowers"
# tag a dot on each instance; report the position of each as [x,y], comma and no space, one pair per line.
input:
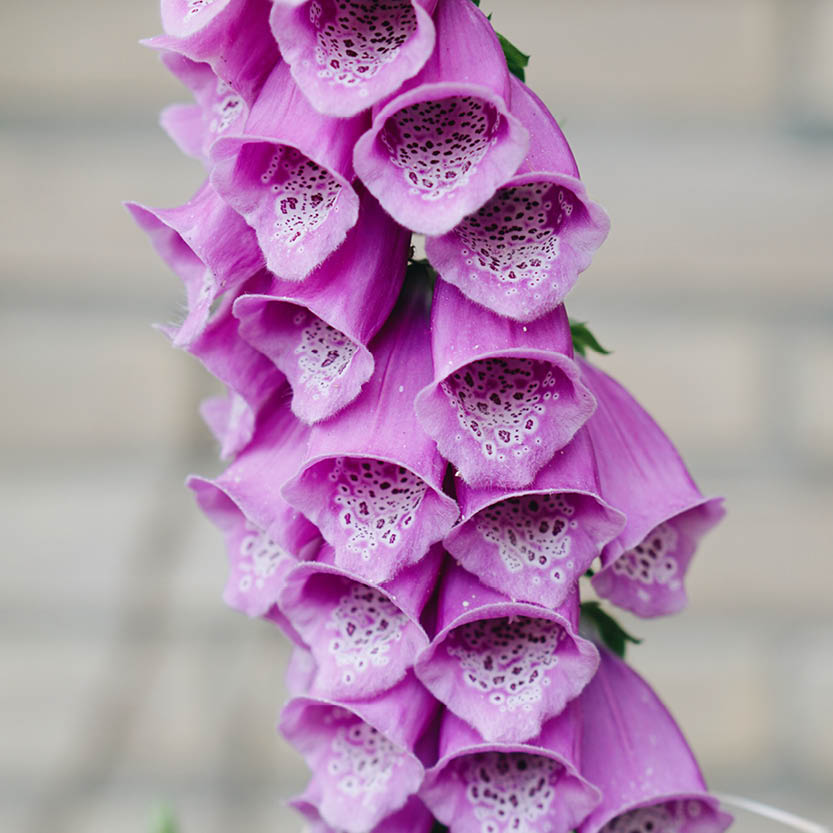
[421,468]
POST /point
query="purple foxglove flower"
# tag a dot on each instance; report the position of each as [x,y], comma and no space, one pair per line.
[317,331]
[231,36]
[347,56]
[412,818]
[373,482]
[250,376]
[505,396]
[441,146]
[503,667]
[361,754]
[636,754]
[532,787]
[535,543]
[364,637]
[230,420]
[641,473]
[210,248]
[218,109]
[265,537]
[289,176]
[522,251]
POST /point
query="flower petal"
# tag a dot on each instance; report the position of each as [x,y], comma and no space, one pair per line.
[504,787]
[505,396]
[347,56]
[503,667]
[364,637]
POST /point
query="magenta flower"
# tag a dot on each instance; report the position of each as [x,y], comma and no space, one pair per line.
[364,767]
[642,474]
[440,147]
[289,176]
[207,245]
[346,56]
[505,396]
[635,753]
[532,787]
[230,36]
[502,666]
[521,253]
[373,480]
[316,339]
[364,637]
[535,543]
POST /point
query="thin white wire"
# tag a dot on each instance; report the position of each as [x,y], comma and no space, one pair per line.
[790,819]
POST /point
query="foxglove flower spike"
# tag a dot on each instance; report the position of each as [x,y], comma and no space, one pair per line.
[439,148]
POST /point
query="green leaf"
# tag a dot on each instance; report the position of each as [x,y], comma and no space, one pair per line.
[439,828]
[516,60]
[584,340]
[611,633]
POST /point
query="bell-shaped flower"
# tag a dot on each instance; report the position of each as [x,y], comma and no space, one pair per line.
[641,473]
[347,56]
[373,482]
[534,544]
[636,754]
[532,787]
[361,754]
[412,818]
[364,637]
[504,667]
[317,331]
[265,537]
[208,245]
[440,146]
[521,252]
[505,396]
[289,176]
[231,36]
[218,108]
[251,378]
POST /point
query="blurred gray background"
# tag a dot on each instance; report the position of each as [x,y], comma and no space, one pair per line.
[705,127]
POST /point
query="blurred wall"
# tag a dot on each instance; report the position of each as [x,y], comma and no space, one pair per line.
[705,127]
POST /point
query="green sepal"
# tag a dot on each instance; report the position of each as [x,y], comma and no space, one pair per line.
[516,60]
[584,340]
[164,821]
[611,633]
